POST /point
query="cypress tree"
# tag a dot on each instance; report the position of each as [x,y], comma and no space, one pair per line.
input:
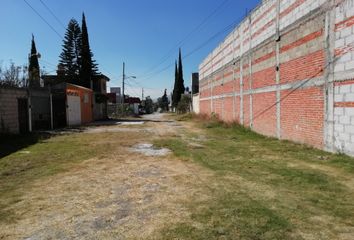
[175,88]
[70,58]
[89,67]
[180,75]
[33,68]
[179,82]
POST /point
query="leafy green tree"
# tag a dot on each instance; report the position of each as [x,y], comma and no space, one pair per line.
[164,102]
[184,104]
[70,58]
[33,68]
[89,67]
[149,105]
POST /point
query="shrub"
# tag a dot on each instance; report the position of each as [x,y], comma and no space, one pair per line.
[184,104]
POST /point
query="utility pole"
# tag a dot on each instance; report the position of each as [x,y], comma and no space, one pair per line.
[142,94]
[123,98]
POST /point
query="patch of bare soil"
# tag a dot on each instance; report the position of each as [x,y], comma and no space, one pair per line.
[127,195]
[148,149]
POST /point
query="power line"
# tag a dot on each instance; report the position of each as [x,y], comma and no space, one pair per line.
[52,13]
[47,63]
[51,27]
[61,23]
[227,28]
[300,86]
[180,43]
[136,82]
[132,89]
[204,21]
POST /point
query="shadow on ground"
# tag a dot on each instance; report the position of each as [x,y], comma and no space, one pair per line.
[13,143]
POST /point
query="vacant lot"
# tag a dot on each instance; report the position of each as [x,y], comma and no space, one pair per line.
[219,182]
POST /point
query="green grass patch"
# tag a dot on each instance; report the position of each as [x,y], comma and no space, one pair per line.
[37,157]
[283,190]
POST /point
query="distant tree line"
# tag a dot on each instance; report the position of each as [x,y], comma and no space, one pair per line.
[180,102]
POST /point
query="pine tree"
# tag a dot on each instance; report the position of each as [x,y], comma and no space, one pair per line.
[89,67]
[33,68]
[70,58]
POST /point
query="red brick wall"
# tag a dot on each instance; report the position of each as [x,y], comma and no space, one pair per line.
[228,109]
[302,56]
[308,66]
[217,107]
[302,115]
[264,113]
[205,107]
[246,110]
[237,109]
[263,78]
[229,87]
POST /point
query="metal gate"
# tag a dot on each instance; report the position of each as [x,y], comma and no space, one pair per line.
[40,109]
[73,110]
[22,106]
[59,110]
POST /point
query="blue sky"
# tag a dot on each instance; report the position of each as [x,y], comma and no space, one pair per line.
[142,33]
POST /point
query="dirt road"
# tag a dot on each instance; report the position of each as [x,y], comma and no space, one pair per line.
[131,193]
[116,181]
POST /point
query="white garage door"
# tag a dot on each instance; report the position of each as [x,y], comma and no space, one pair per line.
[74,111]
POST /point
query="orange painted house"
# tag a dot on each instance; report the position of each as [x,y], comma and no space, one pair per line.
[72,105]
[85,96]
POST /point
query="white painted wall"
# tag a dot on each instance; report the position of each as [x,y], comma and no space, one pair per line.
[195,102]
[73,110]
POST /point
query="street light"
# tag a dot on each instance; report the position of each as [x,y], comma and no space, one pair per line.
[125,78]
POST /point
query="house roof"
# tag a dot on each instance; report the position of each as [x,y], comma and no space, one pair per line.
[132,100]
[100,76]
[54,79]
[65,85]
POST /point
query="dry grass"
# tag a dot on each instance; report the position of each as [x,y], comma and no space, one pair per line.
[98,188]
[263,188]
[222,182]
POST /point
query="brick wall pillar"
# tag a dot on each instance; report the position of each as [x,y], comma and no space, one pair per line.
[277,73]
[241,92]
[250,72]
[329,78]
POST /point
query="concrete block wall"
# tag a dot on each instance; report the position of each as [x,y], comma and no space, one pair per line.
[40,109]
[287,71]
[9,109]
[344,116]
[343,87]
[195,102]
